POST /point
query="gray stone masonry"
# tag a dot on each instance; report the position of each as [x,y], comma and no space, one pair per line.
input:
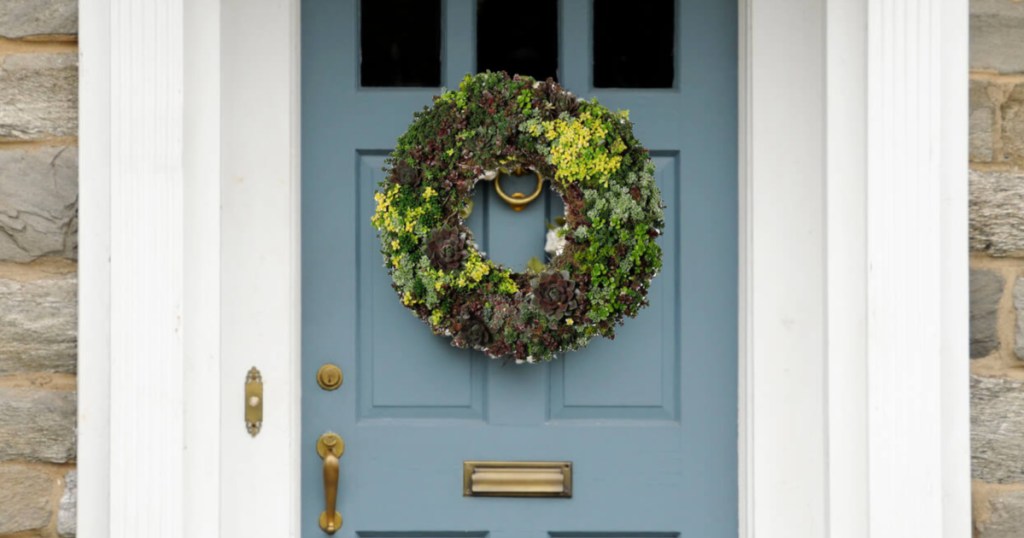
[986,290]
[982,120]
[997,120]
[67,525]
[1006,519]
[1018,307]
[38,96]
[997,430]
[1012,134]
[38,319]
[25,495]
[37,425]
[38,202]
[22,18]
[997,212]
[997,28]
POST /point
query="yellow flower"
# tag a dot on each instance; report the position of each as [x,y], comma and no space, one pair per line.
[568,321]
[580,151]
[394,244]
[429,193]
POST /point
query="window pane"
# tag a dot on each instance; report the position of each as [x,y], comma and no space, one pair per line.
[401,43]
[634,44]
[518,37]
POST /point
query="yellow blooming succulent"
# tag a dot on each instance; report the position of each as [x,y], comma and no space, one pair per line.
[578,149]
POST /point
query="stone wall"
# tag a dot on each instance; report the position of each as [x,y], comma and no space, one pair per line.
[38,285]
[997,266]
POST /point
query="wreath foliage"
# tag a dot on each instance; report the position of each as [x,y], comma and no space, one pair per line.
[607,255]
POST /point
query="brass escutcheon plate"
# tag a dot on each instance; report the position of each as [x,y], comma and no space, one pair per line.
[329,377]
[331,442]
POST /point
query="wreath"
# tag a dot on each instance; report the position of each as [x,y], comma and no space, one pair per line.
[603,256]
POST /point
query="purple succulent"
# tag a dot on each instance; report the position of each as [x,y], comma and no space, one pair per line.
[554,293]
[446,248]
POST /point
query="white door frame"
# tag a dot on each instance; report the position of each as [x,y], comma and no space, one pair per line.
[853,315]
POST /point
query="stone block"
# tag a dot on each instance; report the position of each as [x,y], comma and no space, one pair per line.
[1012,134]
[38,202]
[38,324]
[37,425]
[997,430]
[67,525]
[22,18]
[1018,306]
[982,121]
[986,290]
[997,212]
[25,499]
[38,96]
[997,29]
[1006,516]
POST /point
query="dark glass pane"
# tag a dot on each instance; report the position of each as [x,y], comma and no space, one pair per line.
[634,44]
[401,43]
[518,37]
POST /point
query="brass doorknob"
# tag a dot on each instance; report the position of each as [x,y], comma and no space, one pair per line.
[330,447]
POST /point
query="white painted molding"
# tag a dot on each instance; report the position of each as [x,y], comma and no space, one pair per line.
[846,268]
[202,269]
[854,359]
[782,308]
[260,294]
[94,44]
[917,374]
[132,268]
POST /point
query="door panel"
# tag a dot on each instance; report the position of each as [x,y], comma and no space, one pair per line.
[648,419]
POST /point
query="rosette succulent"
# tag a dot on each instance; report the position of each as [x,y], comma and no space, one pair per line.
[446,248]
[475,333]
[554,293]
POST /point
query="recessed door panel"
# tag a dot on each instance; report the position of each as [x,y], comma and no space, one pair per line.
[634,376]
[399,373]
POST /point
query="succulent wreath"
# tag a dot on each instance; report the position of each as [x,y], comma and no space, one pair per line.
[603,256]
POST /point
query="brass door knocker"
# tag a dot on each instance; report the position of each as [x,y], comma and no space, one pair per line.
[517,200]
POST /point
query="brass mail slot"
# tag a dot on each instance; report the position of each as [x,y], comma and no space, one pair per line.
[517,479]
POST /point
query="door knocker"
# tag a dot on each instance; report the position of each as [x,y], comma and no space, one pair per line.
[517,200]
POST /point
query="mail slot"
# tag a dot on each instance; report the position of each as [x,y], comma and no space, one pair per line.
[517,479]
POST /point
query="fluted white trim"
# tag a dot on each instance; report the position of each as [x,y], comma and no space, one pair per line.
[854,372]
[132,266]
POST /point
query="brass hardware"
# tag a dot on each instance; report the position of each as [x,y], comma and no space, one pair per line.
[329,377]
[517,479]
[253,401]
[518,201]
[330,446]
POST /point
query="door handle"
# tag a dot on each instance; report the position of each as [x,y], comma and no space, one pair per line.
[330,446]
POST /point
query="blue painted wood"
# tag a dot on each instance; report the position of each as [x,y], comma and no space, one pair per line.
[648,419]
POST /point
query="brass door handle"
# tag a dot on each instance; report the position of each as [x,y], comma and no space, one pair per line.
[330,446]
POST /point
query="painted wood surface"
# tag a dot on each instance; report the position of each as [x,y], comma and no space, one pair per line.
[648,419]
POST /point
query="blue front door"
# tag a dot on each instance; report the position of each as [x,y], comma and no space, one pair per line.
[647,420]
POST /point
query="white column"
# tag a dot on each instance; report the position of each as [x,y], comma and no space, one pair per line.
[146,268]
[149,328]
[917,371]
[855,282]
